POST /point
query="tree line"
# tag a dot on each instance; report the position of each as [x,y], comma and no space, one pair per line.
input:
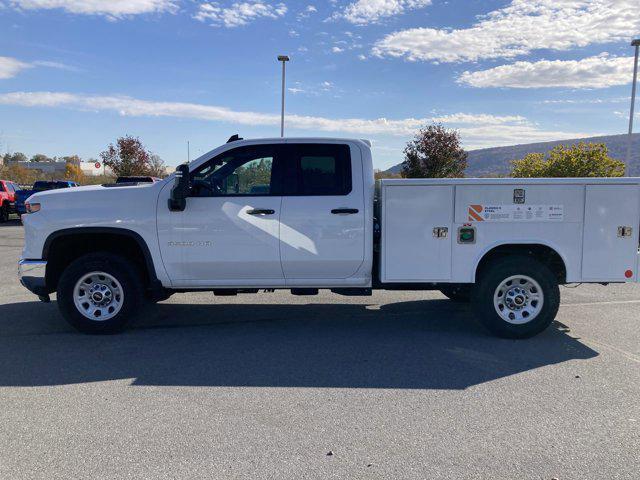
[436,152]
[126,157]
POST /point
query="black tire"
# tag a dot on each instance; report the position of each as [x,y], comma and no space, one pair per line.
[4,213]
[114,265]
[494,275]
[457,293]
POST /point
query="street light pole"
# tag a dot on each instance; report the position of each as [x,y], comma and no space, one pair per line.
[284,59]
[635,43]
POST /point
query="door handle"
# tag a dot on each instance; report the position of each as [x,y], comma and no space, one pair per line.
[260,211]
[344,211]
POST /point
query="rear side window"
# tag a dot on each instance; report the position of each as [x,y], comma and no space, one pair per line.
[322,169]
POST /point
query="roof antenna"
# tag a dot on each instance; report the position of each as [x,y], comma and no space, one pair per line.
[234,138]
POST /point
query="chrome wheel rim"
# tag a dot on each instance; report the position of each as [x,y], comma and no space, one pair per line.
[518,299]
[98,296]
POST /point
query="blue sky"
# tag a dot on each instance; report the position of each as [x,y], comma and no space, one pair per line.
[76,74]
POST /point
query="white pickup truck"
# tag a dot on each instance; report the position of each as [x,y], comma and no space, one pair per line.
[305,214]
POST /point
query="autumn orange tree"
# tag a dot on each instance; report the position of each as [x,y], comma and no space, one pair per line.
[435,152]
[128,157]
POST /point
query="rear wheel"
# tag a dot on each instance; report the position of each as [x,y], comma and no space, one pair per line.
[457,293]
[517,297]
[4,213]
[99,293]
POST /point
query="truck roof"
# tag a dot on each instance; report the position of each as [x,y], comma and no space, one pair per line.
[276,140]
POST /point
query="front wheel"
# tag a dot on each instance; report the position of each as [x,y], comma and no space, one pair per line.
[517,297]
[99,293]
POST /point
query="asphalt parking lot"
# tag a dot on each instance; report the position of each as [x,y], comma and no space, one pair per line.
[398,385]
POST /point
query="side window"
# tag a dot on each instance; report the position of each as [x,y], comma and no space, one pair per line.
[2,189]
[324,169]
[244,171]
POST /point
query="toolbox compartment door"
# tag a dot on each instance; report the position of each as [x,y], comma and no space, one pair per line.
[607,255]
[411,250]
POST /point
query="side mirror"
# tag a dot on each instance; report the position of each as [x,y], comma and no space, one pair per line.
[180,190]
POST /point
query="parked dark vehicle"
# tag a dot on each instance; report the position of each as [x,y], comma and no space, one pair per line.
[141,179]
[40,186]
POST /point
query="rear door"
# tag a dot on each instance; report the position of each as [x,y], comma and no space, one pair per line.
[608,253]
[322,224]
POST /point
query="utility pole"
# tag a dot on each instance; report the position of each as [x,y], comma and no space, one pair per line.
[188,152]
[284,59]
[635,43]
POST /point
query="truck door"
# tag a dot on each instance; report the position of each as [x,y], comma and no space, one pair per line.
[322,225]
[417,233]
[608,253]
[228,233]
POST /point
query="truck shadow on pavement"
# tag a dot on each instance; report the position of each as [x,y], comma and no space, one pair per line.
[431,344]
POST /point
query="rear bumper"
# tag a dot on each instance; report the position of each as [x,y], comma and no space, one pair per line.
[32,274]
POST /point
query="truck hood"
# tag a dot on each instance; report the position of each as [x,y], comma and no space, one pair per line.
[127,206]
[92,189]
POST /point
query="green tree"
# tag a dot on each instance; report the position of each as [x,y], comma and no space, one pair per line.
[128,157]
[435,152]
[14,157]
[157,168]
[581,160]
[41,157]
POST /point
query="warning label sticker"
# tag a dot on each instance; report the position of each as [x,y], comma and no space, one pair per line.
[516,213]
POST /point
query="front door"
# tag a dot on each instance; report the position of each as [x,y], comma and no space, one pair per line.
[228,233]
[322,224]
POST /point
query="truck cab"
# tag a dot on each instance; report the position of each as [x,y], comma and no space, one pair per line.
[272,215]
[305,214]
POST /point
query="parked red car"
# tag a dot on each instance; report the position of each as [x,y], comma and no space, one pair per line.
[7,198]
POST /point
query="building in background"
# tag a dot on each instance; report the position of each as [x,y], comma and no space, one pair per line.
[94,168]
[51,170]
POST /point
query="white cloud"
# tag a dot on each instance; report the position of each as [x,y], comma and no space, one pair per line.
[585,101]
[518,29]
[239,13]
[337,50]
[10,67]
[307,12]
[110,8]
[477,130]
[593,72]
[362,12]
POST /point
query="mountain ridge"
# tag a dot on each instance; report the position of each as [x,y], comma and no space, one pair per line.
[495,161]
